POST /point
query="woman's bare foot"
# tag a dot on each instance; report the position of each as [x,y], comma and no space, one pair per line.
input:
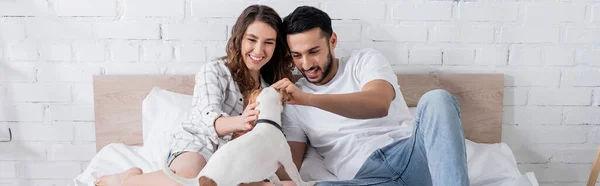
[117,179]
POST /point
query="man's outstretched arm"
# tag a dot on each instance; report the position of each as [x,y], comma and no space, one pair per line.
[373,101]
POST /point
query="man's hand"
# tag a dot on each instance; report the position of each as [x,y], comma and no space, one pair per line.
[297,96]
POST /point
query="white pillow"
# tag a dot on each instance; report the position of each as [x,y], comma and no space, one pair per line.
[163,112]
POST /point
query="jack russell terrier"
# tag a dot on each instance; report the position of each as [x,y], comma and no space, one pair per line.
[253,156]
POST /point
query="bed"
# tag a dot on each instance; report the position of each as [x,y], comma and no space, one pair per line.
[134,115]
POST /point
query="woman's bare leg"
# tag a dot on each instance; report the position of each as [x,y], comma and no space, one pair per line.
[187,165]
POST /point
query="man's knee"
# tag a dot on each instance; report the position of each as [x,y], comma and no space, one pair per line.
[438,96]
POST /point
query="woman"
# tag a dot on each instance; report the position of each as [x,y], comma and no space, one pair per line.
[256,57]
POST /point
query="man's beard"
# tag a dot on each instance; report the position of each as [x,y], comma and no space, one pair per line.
[325,71]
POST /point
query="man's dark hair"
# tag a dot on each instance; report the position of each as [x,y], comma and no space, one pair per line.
[305,18]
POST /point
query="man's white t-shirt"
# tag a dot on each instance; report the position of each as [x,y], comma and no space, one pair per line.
[346,143]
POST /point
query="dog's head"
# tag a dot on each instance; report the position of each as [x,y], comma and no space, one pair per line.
[283,95]
[270,93]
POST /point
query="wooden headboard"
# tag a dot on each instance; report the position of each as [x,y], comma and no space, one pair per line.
[118,102]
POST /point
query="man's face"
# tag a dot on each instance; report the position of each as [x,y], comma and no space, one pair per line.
[312,54]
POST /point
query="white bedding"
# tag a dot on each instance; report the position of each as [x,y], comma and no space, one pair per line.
[488,164]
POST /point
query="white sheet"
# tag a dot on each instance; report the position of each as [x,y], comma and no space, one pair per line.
[488,164]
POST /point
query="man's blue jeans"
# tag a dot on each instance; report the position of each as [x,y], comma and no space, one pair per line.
[434,155]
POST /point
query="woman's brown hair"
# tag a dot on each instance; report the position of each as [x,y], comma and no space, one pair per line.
[280,66]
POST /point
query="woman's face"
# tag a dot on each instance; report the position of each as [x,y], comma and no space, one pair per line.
[258,45]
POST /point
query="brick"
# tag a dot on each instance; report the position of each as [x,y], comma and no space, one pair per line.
[588,56]
[581,78]
[70,152]
[24,51]
[477,34]
[515,95]
[90,51]
[22,112]
[497,56]
[58,30]
[554,153]
[582,115]
[496,12]
[284,8]
[70,113]
[347,32]
[12,29]
[218,9]
[68,170]
[555,172]
[125,52]
[123,30]
[596,100]
[195,32]
[432,56]
[562,96]
[17,73]
[67,73]
[525,56]
[32,132]
[583,35]
[84,132]
[154,8]
[23,8]
[215,50]
[397,33]
[532,77]
[357,10]
[529,34]
[83,93]
[40,92]
[191,53]
[157,53]
[133,69]
[395,53]
[24,151]
[544,134]
[532,115]
[56,52]
[86,8]
[559,56]
[446,34]
[433,11]
[458,56]
[8,169]
[546,13]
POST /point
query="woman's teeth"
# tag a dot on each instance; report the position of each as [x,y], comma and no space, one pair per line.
[256,58]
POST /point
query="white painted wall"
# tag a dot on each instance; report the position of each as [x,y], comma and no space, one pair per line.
[549,51]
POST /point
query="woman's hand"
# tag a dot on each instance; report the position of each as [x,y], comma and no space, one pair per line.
[248,117]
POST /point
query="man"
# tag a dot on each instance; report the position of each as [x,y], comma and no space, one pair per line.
[351,110]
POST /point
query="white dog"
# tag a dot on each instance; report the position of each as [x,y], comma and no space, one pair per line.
[254,156]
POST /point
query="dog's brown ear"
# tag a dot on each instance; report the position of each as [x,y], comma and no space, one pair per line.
[284,95]
[254,95]
[205,181]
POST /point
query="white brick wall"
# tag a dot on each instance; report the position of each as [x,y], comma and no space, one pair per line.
[86,8]
[422,11]
[195,32]
[154,8]
[50,50]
